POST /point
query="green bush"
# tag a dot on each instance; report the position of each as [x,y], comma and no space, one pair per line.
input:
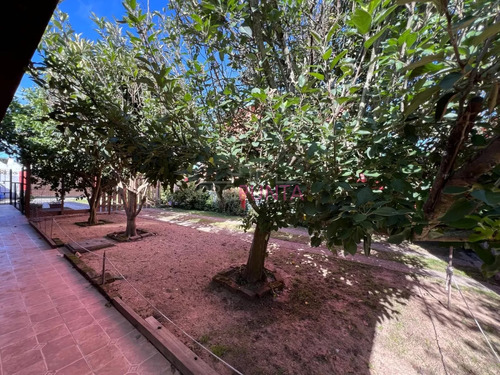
[232,203]
[189,198]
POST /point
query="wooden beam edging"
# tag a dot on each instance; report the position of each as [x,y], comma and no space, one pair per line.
[51,243]
[87,272]
[187,362]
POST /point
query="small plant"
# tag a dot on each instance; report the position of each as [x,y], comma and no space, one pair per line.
[204,339]
[219,349]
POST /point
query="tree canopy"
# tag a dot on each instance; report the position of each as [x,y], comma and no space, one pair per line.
[383,114]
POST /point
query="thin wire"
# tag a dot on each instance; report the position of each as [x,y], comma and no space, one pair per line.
[108,260]
[477,323]
[433,326]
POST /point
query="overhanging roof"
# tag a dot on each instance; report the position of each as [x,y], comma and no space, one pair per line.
[22,27]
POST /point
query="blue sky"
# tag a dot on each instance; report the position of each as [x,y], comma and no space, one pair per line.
[79,12]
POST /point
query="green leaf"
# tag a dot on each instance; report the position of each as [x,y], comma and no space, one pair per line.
[337,58]
[449,80]
[442,105]
[327,54]
[374,38]
[319,76]
[490,270]
[487,33]
[467,21]
[316,36]
[358,218]
[246,30]
[331,31]
[362,20]
[454,190]
[458,210]
[373,5]
[310,208]
[316,187]
[350,246]
[364,195]
[487,196]
[399,237]
[302,80]
[427,68]
[420,99]
[385,211]
[464,223]
[423,61]
[384,15]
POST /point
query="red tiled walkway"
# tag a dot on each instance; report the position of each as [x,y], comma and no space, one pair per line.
[52,321]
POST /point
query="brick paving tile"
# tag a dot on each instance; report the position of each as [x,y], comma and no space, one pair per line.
[53,322]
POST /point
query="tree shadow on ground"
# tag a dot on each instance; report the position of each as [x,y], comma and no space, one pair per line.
[335,316]
[324,323]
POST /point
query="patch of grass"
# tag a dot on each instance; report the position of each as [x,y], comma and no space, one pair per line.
[205,221]
[284,236]
[204,339]
[202,213]
[230,225]
[486,293]
[434,264]
[219,350]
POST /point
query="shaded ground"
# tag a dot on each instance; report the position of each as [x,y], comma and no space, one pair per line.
[336,316]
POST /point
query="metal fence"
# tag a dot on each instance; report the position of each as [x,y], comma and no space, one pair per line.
[12,188]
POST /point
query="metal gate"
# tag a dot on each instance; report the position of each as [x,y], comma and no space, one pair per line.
[12,188]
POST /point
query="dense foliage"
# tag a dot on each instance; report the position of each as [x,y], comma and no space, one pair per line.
[381,115]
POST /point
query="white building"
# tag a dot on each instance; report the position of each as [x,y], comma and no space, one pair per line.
[7,165]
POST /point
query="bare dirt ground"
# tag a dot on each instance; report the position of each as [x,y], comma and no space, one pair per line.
[336,316]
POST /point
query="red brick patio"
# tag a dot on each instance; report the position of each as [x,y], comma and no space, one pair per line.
[52,321]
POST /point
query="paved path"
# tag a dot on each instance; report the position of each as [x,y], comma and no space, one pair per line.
[52,321]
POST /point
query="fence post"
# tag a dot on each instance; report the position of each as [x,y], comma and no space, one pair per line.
[21,198]
[103,277]
[10,186]
[449,276]
[27,206]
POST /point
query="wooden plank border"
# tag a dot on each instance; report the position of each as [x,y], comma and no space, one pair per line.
[187,362]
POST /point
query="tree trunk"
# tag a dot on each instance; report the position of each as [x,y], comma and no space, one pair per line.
[92,216]
[94,200]
[220,198]
[94,204]
[130,210]
[134,197]
[131,230]
[255,265]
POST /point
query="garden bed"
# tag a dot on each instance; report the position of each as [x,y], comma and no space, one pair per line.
[333,317]
[99,222]
[122,237]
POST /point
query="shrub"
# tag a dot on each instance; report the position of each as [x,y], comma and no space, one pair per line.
[190,198]
[232,203]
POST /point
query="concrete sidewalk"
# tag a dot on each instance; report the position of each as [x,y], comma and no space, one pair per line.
[52,321]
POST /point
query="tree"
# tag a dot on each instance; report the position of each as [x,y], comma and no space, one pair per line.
[90,89]
[362,71]
[450,72]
